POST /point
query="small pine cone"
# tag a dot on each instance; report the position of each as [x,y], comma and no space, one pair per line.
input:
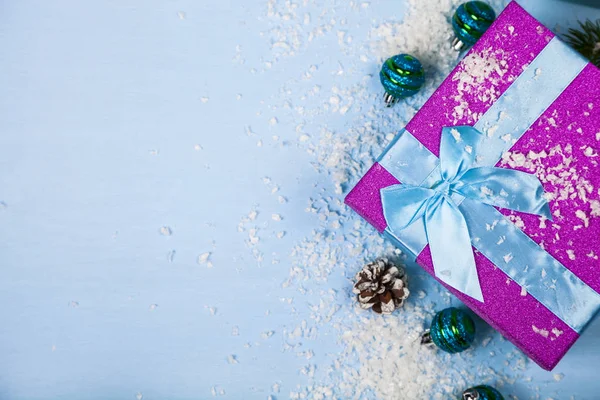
[381,285]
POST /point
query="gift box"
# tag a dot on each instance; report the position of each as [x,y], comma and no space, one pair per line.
[494,186]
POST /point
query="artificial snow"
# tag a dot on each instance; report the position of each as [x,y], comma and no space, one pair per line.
[378,357]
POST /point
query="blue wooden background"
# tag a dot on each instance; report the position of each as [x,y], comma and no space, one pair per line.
[124,156]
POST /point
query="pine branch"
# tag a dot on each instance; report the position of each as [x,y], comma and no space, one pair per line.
[586,40]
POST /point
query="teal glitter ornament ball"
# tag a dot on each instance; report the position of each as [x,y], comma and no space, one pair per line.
[401,76]
[470,21]
[452,330]
[482,392]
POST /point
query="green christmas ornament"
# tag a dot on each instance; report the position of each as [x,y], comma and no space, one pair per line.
[481,392]
[470,21]
[401,76]
[452,330]
[586,40]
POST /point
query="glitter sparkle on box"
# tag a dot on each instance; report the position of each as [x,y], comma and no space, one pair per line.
[511,77]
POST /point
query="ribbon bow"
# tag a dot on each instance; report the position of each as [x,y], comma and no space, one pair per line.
[438,204]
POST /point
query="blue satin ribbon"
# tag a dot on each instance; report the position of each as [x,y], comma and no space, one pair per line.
[449,202]
[445,226]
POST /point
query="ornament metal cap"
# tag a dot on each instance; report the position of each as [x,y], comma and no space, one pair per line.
[470,394]
[470,21]
[452,331]
[426,339]
[389,100]
[457,44]
[482,392]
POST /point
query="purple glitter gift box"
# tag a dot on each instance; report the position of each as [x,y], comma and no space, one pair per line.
[559,145]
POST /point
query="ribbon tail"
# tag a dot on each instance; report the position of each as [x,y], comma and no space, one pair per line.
[450,246]
[506,188]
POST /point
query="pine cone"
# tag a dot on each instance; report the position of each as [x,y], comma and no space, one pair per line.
[381,286]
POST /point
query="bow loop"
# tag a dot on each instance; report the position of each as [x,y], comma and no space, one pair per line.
[411,199]
[506,188]
[438,205]
[458,150]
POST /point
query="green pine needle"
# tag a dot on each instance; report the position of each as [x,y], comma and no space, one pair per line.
[586,40]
